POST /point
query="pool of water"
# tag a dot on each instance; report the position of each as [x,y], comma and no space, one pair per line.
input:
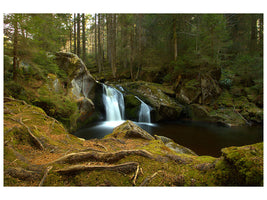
[202,138]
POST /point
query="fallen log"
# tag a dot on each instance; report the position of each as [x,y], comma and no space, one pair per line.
[125,168]
[101,156]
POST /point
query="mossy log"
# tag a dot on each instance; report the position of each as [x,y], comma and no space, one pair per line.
[101,156]
[125,168]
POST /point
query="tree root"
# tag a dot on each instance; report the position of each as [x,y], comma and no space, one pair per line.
[101,156]
[45,175]
[125,168]
[22,174]
[149,178]
[32,136]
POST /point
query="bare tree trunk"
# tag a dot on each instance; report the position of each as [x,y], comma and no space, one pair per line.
[96,60]
[83,37]
[175,38]
[15,50]
[75,34]
[78,35]
[113,49]
[99,56]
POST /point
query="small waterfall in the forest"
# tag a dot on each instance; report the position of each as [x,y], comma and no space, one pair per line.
[144,112]
[114,103]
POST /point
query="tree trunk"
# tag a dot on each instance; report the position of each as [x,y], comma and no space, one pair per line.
[15,50]
[113,48]
[99,56]
[78,35]
[96,60]
[253,36]
[83,37]
[75,34]
[174,38]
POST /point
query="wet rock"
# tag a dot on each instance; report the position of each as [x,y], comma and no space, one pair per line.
[174,146]
[164,106]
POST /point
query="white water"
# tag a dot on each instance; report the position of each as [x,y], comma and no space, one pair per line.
[144,112]
[114,103]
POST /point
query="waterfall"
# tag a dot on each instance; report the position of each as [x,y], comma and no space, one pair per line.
[114,103]
[144,112]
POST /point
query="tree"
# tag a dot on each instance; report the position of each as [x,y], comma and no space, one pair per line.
[83,37]
[78,35]
[75,34]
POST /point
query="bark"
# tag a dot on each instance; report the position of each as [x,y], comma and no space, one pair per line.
[124,168]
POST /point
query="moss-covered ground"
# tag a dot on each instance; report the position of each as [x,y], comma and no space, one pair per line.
[26,164]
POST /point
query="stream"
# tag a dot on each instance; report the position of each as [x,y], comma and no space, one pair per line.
[203,138]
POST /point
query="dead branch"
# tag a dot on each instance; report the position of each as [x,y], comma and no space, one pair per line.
[45,175]
[125,168]
[136,174]
[101,156]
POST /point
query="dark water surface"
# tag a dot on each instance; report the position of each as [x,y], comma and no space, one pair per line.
[202,138]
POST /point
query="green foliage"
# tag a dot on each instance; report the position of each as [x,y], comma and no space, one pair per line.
[192,84]
[47,63]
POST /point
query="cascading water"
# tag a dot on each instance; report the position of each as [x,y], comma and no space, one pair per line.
[144,112]
[114,103]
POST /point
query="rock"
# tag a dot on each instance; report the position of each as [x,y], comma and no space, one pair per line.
[132,107]
[80,85]
[248,162]
[174,146]
[164,106]
[130,130]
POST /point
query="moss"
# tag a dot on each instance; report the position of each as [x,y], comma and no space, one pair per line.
[225,99]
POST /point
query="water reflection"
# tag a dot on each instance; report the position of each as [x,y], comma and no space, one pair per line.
[203,138]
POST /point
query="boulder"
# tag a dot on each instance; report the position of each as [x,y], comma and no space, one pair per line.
[80,85]
[130,130]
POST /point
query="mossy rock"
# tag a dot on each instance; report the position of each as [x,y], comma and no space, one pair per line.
[248,161]
[132,107]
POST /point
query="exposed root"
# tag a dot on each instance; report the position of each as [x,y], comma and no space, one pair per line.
[125,168]
[136,174]
[22,174]
[101,146]
[45,175]
[101,156]
[149,178]
[34,138]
